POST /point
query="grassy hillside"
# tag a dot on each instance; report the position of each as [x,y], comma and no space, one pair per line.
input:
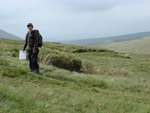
[140,46]
[112,82]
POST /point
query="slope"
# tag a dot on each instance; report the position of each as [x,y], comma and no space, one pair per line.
[140,46]
[111,39]
[120,85]
[6,35]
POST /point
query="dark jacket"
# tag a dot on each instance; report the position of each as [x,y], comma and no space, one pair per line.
[31,40]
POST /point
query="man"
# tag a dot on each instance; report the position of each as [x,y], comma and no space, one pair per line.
[33,41]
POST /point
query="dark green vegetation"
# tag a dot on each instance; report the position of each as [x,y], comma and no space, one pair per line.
[109,82]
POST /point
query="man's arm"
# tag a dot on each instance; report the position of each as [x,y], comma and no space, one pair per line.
[26,42]
[36,39]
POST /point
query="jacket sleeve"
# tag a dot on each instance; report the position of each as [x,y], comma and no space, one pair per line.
[26,42]
[36,38]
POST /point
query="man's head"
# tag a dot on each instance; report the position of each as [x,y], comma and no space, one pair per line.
[30,26]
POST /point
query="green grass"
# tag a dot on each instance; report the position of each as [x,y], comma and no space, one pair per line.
[117,84]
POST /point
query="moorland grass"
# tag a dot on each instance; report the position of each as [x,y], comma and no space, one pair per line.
[116,84]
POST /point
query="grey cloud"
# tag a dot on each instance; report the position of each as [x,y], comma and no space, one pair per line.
[70,19]
[86,5]
[94,5]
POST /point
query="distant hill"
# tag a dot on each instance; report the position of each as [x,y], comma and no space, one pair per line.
[139,46]
[6,35]
[106,40]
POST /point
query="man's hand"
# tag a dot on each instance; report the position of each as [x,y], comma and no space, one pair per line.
[23,49]
[34,50]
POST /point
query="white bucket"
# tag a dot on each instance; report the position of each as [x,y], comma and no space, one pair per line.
[22,55]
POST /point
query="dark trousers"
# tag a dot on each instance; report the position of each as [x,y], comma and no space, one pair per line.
[33,60]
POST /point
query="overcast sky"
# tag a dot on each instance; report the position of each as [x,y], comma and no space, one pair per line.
[75,19]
